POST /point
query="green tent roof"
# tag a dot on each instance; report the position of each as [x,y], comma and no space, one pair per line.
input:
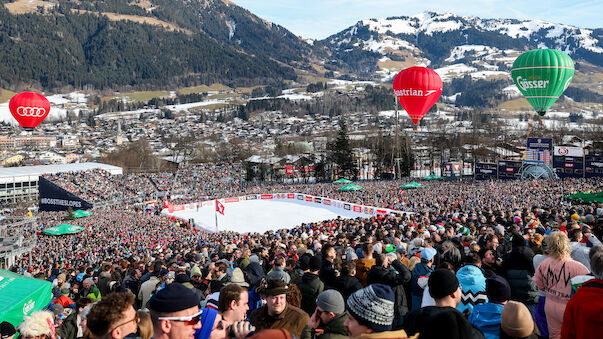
[21,296]
[63,229]
[81,214]
[412,185]
[350,187]
[342,181]
[588,197]
[433,177]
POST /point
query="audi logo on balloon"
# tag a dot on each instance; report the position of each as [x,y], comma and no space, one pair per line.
[31,111]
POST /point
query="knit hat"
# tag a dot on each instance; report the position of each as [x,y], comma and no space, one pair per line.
[442,282]
[254,258]
[449,323]
[516,320]
[331,301]
[498,289]
[173,298]
[208,317]
[62,276]
[37,324]
[428,253]
[373,306]
[314,264]
[195,271]
[6,330]
[238,278]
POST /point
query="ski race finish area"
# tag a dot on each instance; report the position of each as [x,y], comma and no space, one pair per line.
[263,212]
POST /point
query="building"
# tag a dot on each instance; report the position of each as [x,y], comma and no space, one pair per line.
[20,184]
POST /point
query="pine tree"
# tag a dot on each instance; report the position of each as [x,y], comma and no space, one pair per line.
[341,153]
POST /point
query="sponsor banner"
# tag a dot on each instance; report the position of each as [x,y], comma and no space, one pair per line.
[347,207]
[326,202]
[280,196]
[358,209]
[251,197]
[508,170]
[266,196]
[452,170]
[289,170]
[228,200]
[545,144]
[317,200]
[593,166]
[309,198]
[568,167]
[567,151]
[55,198]
[300,197]
[485,171]
[290,196]
[381,212]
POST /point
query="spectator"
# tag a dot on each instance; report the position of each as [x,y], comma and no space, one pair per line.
[278,271]
[473,284]
[518,268]
[395,276]
[553,277]
[329,317]
[233,303]
[328,274]
[516,322]
[486,317]
[145,325]
[582,317]
[7,330]
[113,317]
[421,270]
[277,313]
[174,312]
[39,325]
[347,282]
[371,313]
[150,285]
[363,266]
[311,286]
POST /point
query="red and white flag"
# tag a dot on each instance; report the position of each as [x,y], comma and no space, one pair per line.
[219,207]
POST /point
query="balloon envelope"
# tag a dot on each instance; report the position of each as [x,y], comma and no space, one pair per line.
[29,109]
[541,76]
[417,89]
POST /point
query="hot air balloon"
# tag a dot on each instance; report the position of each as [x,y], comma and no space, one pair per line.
[417,89]
[541,76]
[29,109]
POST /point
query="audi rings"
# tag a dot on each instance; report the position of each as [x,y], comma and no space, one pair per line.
[36,112]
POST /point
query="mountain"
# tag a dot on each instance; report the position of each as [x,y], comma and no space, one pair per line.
[101,44]
[376,48]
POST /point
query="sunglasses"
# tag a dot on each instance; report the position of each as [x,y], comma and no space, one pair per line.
[190,320]
[135,319]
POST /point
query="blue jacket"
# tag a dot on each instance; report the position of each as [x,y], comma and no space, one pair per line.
[416,291]
[486,317]
[473,284]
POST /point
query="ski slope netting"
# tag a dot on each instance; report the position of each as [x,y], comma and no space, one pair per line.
[260,213]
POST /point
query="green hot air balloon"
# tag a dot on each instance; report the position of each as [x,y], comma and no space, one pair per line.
[541,76]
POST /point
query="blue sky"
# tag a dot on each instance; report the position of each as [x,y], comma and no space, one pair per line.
[318,19]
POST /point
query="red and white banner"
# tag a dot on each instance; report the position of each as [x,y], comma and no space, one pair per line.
[219,207]
[266,196]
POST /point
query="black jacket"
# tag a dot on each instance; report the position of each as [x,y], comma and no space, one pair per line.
[310,287]
[347,285]
[440,322]
[328,275]
[396,279]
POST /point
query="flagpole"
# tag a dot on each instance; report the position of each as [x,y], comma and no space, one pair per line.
[216,214]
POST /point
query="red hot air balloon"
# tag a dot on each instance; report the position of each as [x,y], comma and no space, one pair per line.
[417,89]
[29,109]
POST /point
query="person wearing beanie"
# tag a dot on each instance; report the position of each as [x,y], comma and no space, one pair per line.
[329,317]
[310,285]
[39,324]
[7,330]
[277,313]
[445,289]
[371,313]
[582,318]
[486,317]
[421,269]
[473,283]
[516,322]
[175,312]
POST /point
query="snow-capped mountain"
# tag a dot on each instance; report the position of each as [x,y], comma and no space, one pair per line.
[452,44]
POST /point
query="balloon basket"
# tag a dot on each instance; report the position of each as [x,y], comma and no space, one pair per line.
[414,128]
[541,113]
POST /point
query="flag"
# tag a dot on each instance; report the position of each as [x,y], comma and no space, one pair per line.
[219,207]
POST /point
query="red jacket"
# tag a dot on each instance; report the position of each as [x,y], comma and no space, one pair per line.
[583,317]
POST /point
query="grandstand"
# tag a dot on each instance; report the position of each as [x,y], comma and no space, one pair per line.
[20,184]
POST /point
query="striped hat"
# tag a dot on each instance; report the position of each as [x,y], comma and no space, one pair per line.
[373,306]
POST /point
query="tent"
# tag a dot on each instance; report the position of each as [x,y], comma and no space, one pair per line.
[432,177]
[342,181]
[588,197]
[80,214]
[350,187]
[63,229]
[412,185]
[21,296]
